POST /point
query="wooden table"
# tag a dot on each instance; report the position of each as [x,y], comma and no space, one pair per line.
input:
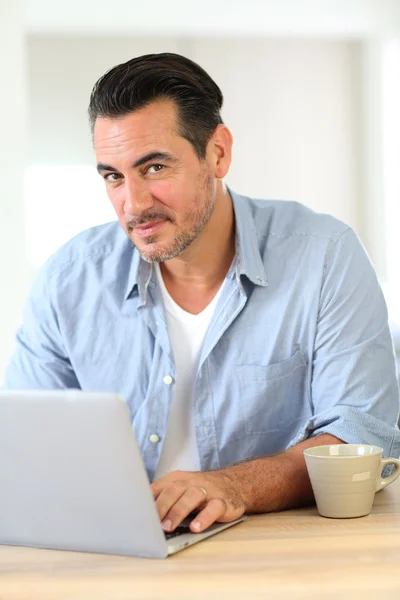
[295,554]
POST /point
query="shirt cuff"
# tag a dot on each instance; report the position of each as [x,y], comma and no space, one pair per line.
[353,427]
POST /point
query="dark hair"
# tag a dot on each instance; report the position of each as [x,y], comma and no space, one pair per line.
[142,80]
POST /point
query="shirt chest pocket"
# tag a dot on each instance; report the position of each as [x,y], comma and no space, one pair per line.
[274,396]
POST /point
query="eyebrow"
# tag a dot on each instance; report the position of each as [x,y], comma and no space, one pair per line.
[164,156]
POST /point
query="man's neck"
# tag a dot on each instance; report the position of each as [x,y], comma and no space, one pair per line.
[193,278]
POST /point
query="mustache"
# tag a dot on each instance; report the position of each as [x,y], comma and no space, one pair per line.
[147,218]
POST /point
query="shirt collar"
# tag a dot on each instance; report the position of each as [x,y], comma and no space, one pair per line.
[248,258]
[139,276]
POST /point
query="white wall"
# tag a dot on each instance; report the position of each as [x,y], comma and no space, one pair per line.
[292,106]
[15,274]
[342,18]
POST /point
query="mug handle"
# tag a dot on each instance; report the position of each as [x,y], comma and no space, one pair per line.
[384,482]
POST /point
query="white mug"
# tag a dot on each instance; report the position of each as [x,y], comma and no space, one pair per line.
[345,477]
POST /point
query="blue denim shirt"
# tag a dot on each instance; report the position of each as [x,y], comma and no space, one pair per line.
[299,343]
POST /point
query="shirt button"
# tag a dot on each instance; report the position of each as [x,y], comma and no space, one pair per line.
[168,380]
[154,438]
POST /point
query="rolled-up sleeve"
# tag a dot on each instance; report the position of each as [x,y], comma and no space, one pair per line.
[39,360]
[354,387]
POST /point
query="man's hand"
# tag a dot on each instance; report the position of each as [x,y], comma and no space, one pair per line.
[215,494]
[256,485]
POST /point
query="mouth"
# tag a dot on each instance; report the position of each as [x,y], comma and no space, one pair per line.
[148,229]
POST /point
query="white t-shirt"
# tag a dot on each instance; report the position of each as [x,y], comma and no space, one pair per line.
[186,332]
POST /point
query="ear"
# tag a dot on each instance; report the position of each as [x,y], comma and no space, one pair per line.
[219,151]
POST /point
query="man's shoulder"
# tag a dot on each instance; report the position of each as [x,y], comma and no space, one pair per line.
[286,218]
[100,243]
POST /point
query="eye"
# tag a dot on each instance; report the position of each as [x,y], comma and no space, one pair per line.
[154,169]
[112,177]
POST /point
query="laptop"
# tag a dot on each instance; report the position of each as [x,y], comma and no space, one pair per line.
[72,477]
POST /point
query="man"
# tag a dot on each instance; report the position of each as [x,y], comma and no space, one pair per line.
[239,331]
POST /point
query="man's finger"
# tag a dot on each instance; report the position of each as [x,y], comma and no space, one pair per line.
[192,498]
[214,510]
[157,487]
[169,496]
[173,477]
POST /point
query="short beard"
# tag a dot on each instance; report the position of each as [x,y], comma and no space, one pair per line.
[183,239]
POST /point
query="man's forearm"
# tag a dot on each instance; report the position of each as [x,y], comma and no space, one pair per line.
[277,482]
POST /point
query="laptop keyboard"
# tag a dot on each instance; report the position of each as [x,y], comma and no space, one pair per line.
[178,531]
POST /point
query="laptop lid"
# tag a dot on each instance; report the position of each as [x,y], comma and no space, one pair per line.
[72,477]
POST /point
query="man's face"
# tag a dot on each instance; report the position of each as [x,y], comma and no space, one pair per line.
[162,193]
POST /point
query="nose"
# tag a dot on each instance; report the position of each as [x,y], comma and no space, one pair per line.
[137,198]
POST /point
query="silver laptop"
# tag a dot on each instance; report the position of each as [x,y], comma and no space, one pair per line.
[72,477]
